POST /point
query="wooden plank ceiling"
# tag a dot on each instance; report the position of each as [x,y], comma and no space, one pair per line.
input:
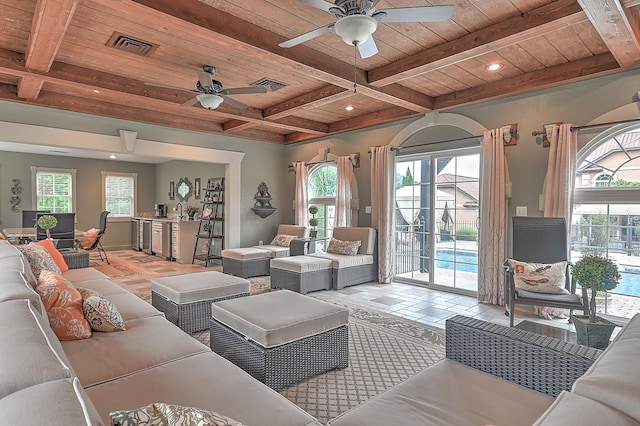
[54,53]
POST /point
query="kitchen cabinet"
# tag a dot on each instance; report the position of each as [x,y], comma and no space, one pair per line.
[183,237]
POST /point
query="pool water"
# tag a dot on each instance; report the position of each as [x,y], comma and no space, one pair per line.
[467,261]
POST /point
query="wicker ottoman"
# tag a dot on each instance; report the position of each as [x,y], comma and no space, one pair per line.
[246,262]
[186,299]
[301,273]
[281,338]
[76,259]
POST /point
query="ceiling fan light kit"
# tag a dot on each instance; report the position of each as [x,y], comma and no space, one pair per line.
[355,29]
[209,101]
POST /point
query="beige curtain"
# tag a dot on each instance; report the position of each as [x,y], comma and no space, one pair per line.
[495,189]
[302,194]
[382,208]
[561,173]
[343,191]
[559,185]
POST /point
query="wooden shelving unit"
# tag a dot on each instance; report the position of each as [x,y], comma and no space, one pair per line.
[210,236]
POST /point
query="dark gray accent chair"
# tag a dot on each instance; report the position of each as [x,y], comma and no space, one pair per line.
[542,240]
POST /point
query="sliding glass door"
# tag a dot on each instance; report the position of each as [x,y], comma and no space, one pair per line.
[437,200]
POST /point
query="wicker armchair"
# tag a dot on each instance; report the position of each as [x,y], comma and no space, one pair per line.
[541,240]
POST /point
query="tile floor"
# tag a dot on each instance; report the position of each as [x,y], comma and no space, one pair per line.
[433,307]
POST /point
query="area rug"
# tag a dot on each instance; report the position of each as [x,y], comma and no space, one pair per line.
[384,350]
[116,268]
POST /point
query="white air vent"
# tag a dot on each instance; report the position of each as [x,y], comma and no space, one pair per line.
[268,82]
[131,44]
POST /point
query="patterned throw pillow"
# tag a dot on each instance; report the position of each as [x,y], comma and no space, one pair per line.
[168,414]
[343,247]
[283,240]
[540,277]
[39,259]
[63,303]
[100,313]
[55,254]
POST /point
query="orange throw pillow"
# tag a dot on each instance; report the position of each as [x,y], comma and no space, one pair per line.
[89,237]
[63,303]
[55,254]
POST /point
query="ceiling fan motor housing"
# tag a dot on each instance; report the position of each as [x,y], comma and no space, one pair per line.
[216,87]
[355,29]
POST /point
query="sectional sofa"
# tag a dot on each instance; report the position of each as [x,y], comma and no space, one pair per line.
[45,381]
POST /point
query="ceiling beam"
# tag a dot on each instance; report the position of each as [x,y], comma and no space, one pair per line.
[555,15]
[570,72]
[50,22]
[314,99]
[619,29]
[263,44]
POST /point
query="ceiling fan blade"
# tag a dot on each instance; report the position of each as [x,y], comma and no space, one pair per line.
[189,102]
[205,79]
[249,90]
[368,48]
[319,4]
[236,104]
[415,14]
[171,87]
[308,36]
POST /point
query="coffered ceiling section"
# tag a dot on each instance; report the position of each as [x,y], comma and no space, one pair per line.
[146,60]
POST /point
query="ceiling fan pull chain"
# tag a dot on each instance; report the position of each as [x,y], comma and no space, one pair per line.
[355,68]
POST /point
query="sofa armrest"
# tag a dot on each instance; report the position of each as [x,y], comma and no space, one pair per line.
[541,363]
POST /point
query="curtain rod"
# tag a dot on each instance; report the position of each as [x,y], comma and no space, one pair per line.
[590,126]
[436,143]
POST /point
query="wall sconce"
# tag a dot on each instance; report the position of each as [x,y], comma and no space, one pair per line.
[510,134]
[355,159]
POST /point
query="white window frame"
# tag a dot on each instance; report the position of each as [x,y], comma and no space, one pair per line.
[134,176]
[325,201]
[34,184]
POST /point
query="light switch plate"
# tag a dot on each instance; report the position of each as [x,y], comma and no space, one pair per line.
[367,209]
[521,210]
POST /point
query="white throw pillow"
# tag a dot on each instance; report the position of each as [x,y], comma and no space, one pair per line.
[540,277]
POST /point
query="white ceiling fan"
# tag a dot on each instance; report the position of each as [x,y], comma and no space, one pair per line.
[358,20]
[211,93]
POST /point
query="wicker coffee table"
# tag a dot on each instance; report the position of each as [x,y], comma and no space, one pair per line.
[281,338]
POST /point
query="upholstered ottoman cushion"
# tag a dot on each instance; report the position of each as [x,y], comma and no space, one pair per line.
[282,337]
[246,262]
[186,299]
[301,273]
[275,251]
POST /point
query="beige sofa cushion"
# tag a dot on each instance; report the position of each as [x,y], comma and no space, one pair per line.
[298,316]
[14,283]
[354,233]
[205,381]
[344,261]
[301,264]
[297,230]
[29,350]
[132,307]
[8,250]
[76,276]
[147,342]
[449,393]
[274,251]
[614,378]
[56,403]
[246,253]
[571,409]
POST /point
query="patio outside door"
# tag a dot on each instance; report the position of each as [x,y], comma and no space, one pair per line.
[437,202]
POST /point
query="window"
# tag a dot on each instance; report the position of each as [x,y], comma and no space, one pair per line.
[119,191]
[53,189]
[606,213]
[322,193]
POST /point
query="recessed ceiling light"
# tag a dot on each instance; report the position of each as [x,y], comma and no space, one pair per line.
[349,108]
[96,91]
[113,156]
[494,67]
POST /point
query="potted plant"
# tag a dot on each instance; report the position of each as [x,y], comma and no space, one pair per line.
[47,222]
[313,221]
[191,211]
[598,274]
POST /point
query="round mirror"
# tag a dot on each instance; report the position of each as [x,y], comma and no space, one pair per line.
[184,189]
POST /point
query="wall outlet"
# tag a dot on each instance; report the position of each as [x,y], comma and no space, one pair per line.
[367,209]
[260,242]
